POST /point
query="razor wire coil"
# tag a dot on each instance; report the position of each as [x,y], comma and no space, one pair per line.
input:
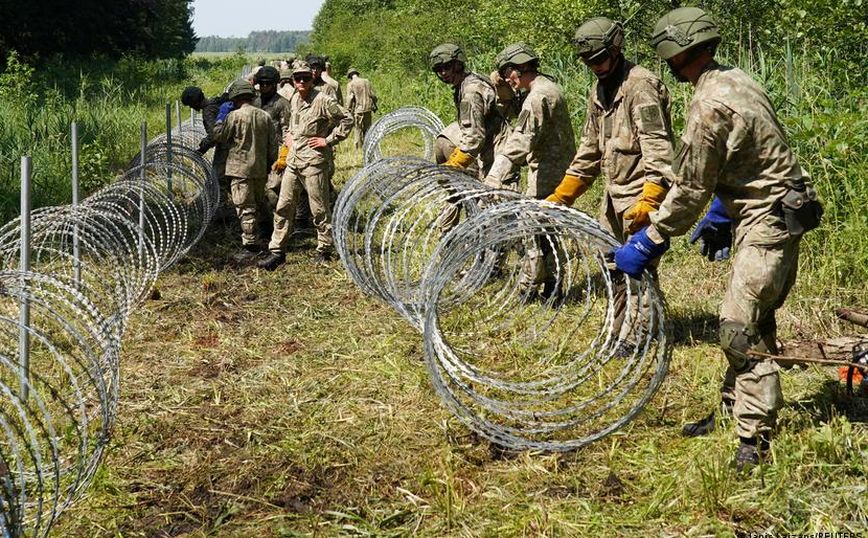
[531,338]
[56,418]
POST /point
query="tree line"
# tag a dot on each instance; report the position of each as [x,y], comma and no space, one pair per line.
[265,41]
[146,28]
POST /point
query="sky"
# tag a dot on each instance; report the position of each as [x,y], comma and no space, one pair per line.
[233,18]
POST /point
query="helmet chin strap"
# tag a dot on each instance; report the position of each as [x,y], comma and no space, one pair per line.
[613,66]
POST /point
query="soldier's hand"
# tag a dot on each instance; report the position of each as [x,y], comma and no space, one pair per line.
[714,233]
[317,142]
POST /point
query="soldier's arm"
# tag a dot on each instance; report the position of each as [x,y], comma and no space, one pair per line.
[273,144]
[586,163]
[527,130]
[209,118]
[650,114]
[351,100]
[224,132]
[342,120]
[696,167]
[471,120]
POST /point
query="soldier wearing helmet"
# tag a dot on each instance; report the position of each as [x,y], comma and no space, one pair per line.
[467,144]
[320,82]
[249,133]
[543,140]
[734,149]
[194,98]
[318,124]
[627,137]
[277,107]
[362,102]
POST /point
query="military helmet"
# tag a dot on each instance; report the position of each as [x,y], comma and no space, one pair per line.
[315,61]
[597,35]
[267,75]
[683,28]
[238,88]
[299,68]
[445,53]
[286,73]
[351,71]
[515,54]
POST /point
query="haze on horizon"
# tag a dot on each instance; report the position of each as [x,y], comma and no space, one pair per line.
[224,18]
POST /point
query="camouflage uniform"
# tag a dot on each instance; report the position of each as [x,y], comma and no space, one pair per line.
[249,133]
[630,140]
[277,107]
[308,168]
[479,129]
[734,147]
[335,86]
[361,102]
[544,140]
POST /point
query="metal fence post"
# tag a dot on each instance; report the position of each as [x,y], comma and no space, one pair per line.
[76,252]
[178,115]
[142,158]
[24,310]
[169,149]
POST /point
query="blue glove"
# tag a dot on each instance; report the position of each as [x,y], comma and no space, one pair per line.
[636,254]
[715,231]
[224,111]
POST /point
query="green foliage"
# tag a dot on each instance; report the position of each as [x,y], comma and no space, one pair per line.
[15,81]
[268,41]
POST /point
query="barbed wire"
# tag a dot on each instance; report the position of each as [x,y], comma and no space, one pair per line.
[92,264]
[531,338]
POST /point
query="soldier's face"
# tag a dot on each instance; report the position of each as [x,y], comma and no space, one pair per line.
[448,72]
[267,89]
[303,83]
[676,65]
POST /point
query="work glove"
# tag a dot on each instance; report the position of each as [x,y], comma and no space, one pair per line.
[652,196]
[570,188]
[280,164]
[459,159]
[224,111]
[634,256]
[714,232]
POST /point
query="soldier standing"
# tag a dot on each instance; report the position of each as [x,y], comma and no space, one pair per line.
[194,98]
[318,124]
[285,87]
[627,136]
[543,139]
[332,81]
[249,134]
[362,102]
[330,88]
[278,109]
[733,147]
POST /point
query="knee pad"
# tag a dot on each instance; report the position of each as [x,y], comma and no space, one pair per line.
[736,339]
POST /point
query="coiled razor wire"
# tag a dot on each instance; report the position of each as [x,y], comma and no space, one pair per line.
[542,363]
[56,419]
[426,122]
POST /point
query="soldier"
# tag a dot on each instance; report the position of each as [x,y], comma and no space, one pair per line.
[331,81]
[362,101]
[194,98]
[318,124]
[285,87]
[627,136]
[330,88]
[733,147]
[249,133]
[467,144]
[507,100]
[543,140]
[278,109]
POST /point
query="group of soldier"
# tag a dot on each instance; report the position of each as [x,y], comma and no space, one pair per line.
[733,152]
[274,136]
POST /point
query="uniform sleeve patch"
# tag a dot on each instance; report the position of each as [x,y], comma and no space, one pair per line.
[651,117]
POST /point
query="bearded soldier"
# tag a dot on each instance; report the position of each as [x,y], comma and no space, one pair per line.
[543,139]
[733,147]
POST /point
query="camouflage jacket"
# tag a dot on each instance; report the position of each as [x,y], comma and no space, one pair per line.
[478,117]
[361,97]
[278,109]
[543,137]
[732,146]
[630,140]
[317,116]
[331,81]
[249,133]
[329,89]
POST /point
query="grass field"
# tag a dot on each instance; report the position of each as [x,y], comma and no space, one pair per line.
[290,404]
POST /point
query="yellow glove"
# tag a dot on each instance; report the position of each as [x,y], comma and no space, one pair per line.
[652,196]
[459,159]
[280,164]
[570,188]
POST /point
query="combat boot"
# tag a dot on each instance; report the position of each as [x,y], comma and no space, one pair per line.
[246,255]
[322,257]
[272,261]
[706,425]
[750,453]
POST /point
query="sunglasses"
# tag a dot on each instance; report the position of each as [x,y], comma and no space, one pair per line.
[596,59]
[303,79]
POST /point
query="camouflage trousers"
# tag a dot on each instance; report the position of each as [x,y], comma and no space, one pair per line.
[315,181]
[362,124]
[247,195]
[764,269]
